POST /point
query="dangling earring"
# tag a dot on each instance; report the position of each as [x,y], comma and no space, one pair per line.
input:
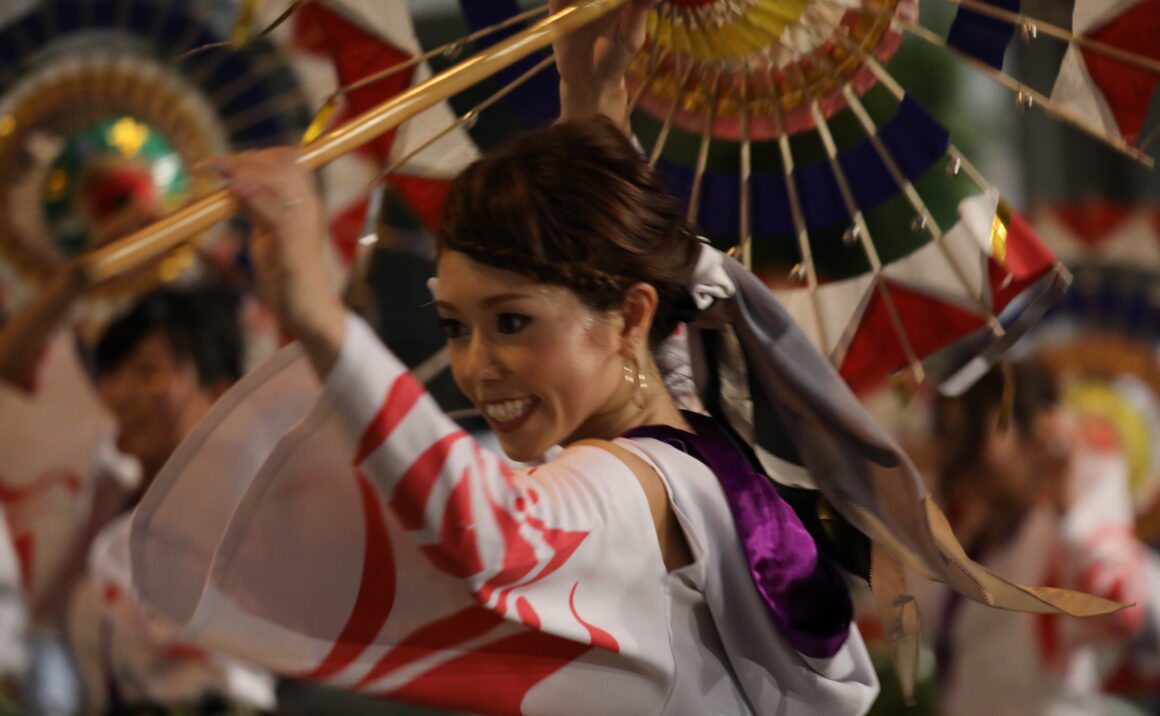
[637,379]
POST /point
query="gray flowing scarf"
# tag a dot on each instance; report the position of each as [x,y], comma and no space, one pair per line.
[772,386]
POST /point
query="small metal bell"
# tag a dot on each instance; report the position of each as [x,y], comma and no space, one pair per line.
[798,273]
[1025,100]
[1028,31]
[851,235]
[954,167]
[919,223]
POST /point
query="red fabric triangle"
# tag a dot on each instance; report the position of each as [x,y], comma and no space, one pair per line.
[1128,89]
[1005,286]
[1092,221]
[875,352]
[424,195]
[358,53]
[346,228]
[1026,257]
[306,35]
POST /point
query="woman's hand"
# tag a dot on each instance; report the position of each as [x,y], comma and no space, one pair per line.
[592,62]
[287,248]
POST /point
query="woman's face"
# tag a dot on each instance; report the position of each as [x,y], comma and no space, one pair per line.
[543,368]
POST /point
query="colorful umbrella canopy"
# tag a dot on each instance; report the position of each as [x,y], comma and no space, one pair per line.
[781,130]
[101,102]
[1102,339]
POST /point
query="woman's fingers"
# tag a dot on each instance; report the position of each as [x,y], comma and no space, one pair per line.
[287,240]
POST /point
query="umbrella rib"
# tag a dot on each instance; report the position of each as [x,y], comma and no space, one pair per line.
[871,130]
[703,151]
[799,223]
[887,80]
[467,117]
[245,42]
[649,77]
[745,201]
[448,48]
[667,127]
[917,203]
[1103,48]
[865,240]
[267,66]
[212,61]
[186,40]
[1033,96]
[279,104]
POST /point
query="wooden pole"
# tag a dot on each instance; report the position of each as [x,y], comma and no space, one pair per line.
[156,239]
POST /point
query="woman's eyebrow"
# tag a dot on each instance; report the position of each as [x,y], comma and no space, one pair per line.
[502,297]
[487,302]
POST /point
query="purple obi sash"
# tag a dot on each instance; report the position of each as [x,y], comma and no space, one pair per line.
[805,593]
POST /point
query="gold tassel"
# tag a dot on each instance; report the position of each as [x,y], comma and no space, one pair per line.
[321,120]
[244,24]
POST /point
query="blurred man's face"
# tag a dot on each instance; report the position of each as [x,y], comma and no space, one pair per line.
[156,399]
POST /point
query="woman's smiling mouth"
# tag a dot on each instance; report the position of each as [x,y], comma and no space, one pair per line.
[507,415]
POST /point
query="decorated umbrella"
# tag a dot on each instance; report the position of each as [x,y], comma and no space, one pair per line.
[101,104]
[1102,339]
[782,132]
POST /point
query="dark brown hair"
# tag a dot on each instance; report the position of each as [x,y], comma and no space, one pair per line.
[963,423]
[575,205]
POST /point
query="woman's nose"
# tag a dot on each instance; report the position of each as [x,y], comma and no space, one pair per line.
[483,360]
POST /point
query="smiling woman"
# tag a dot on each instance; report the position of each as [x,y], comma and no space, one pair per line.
[562,264]
[652,566]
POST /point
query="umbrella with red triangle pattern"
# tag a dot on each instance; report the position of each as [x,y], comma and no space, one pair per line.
[763,119]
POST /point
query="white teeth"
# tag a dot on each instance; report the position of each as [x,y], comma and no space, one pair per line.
[508,410]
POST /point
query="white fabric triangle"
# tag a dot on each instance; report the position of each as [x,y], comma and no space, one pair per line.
[1076,91]
[1133,243]
[1062,241]
[838,304]
[930,269]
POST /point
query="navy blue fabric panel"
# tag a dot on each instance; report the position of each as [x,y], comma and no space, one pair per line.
[819,195]
[914,138]
[677,179]
[720,206]
[867,175]
[537,101]
[770,202]
[982,37]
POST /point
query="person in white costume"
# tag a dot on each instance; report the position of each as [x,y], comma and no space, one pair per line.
[1045,501]
[650,567]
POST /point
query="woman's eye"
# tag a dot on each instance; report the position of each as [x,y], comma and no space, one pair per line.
[511,322]
[451,328]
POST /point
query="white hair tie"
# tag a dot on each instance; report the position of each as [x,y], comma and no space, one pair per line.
[710,280]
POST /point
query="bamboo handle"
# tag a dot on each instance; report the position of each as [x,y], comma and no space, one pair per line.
[141,246]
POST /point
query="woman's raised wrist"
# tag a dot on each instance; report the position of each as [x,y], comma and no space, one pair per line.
[610,100]
[321,333]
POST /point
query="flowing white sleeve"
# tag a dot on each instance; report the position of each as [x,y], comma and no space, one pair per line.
[559,547]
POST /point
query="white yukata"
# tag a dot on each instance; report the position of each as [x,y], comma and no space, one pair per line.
[360,538]
[1005,663]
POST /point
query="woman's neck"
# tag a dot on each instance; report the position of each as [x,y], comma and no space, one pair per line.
[649,406]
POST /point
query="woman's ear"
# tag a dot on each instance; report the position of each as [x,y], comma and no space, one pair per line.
[640,305]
